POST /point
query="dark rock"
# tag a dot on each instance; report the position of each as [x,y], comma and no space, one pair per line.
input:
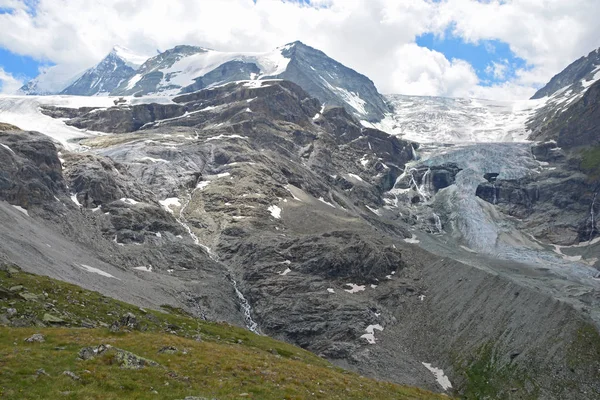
[168,350]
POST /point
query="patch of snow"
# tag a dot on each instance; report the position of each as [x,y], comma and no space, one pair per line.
[370,335]
[74,200]
[412,240]
[356,177]
[145,269]
[373,286]
[275,211]
[284,273]
[373,210]
[133,81]
[129,201]
[422,297]
[7,148]
[98,271]
[154,160]
[354,288]
[330,290]
[322,200]
[248,110]
[170,202]
[226,137]
[364,160]
[440,377]
[202,184]
[24,211]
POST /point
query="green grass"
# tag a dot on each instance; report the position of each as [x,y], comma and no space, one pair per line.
[487,378]
[228,362]
[590,162]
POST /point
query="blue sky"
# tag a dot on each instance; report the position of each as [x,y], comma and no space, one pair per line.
[492,60]
[488,49]
[481,56]
[20,66]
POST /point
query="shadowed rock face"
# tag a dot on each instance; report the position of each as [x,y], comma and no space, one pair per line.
[30,171]
[333,83]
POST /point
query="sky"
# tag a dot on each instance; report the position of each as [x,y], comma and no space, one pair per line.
[495,49]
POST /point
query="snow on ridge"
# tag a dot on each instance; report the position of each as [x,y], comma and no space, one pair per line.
[185,70]
[130,58]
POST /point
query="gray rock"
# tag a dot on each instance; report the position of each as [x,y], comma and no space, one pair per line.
[52,319]
[72,375]
[36,338]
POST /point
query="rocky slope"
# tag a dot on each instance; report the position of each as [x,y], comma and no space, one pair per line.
[254,204]
[574,76]
[59,340]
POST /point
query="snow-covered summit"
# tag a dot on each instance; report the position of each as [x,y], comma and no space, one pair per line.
[185,69]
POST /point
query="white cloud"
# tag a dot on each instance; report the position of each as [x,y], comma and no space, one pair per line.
[8,83]
[498,70]
[375,37]
[425,72]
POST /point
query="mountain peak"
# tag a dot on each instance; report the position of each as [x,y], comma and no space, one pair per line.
[131,58]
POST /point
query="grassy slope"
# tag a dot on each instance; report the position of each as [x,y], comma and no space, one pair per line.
[228,362]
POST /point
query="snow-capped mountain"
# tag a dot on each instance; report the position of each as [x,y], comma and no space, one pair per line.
[569,103]
[576,77]
[118,66]
[185,69]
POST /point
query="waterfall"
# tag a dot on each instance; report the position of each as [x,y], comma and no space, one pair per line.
[183,222]
[426,182]
[494,199]
[438,223]
[414,153]
[592,229]
[423,189]
[246,308]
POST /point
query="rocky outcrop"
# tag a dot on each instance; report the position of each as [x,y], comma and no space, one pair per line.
[573,74]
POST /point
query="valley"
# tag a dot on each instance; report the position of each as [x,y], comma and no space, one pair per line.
[448,244]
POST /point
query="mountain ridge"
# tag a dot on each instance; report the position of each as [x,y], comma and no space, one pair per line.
[184,68]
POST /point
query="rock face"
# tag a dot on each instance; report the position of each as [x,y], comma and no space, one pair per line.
[103,78]
[579,70]
[576,126]
[333,83]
